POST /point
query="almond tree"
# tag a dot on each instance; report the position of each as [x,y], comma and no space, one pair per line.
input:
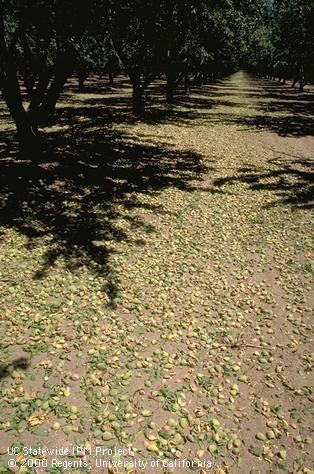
[37,45]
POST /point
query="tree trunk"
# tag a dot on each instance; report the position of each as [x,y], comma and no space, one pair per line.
[198,79]
[137,100]
[12,95]
[48,105]
[82,76]
[26,135]
[186,84]
[170,87]
[111,78]
[37,97]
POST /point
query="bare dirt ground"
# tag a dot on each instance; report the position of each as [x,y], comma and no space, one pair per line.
[157,283]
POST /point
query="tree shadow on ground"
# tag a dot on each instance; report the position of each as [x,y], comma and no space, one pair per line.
[286,126]
[279,108]
[84,180]
[20,363]
[91,173]
[290,180]
[116,106]
[282,110]
[114,109]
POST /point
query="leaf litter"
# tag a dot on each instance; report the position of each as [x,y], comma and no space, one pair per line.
[207,352]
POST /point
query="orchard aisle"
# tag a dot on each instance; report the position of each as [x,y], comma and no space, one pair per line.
[204,350]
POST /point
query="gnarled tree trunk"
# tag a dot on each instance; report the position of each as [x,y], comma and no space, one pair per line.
[26,133]
[37,97]
[12,94]
[48,106]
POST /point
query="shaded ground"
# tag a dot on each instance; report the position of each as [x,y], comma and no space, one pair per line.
[157,280]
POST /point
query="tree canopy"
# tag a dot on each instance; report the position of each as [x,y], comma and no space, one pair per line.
[43,42]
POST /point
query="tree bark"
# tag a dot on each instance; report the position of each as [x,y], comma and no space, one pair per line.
[111,79]
[26,135]
[137,99]
[301,78]
[37,97]
[12,95]
[186,84]
[82,76]
[170,87]
[138,90]
[48,105]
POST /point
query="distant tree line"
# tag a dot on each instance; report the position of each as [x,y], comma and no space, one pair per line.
[283,45]
[43,42]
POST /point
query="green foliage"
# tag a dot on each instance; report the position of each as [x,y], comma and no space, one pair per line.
[44,42]
[293,37]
